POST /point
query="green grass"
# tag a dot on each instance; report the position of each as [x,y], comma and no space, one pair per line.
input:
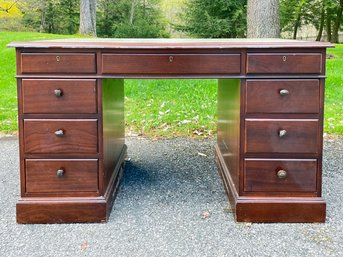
[164,107]
[171,107]
[8,91]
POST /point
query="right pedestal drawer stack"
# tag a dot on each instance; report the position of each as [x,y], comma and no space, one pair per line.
[282,138]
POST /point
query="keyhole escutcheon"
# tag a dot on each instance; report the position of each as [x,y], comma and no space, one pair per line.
[284,58]
[171,58]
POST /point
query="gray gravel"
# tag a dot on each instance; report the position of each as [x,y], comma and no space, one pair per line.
[171,203]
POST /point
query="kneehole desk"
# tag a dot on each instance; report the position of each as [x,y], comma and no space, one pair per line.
[71,122]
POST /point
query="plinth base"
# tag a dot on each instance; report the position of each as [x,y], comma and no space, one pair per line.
[270,209]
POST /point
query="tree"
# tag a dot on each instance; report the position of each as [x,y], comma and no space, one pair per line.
[334,19]
[323,14]
[214,18]
[263,19]
[131,18]
[88,17]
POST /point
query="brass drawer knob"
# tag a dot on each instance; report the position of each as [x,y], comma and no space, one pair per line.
[59,133]
[284,92]
[60,173]
[282,133]
[281,174]
[58,92]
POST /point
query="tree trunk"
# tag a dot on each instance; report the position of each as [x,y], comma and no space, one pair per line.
[88,17]
[321,25]
[328,24]
[337,23]
[263,19]
[132,12]
[42,24]
[296,26]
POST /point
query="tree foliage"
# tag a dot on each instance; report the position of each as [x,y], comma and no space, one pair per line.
[214,18]
[52,16]
[130,18]
[322,14]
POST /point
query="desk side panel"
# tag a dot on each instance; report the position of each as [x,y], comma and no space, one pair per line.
[113,125]
[228,138]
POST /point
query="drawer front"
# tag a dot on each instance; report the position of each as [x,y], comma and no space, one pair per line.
[282,96]
[280,175]
[281,136]
[171,63]
[60,136]
[46,176]
[284,63]
[59,96]
[58,63]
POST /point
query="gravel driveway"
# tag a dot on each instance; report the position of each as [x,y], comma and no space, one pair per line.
[171,203]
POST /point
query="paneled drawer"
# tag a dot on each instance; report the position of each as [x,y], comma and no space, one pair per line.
[269,175]
[58,63]
[171,63]
[44,176]
[60,136]
[282,96]
[284,63]
[59,96]
[281,136]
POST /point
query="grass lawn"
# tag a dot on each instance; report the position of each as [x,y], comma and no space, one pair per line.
[164,107]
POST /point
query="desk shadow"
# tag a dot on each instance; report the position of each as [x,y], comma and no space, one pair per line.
[170,184]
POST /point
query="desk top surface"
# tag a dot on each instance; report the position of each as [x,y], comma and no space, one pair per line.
[103,43]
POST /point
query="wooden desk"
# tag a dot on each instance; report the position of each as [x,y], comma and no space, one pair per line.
[71,122]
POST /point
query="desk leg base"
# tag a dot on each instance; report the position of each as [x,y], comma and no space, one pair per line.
[270,209]
[35,210]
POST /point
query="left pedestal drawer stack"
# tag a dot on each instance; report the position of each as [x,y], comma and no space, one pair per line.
[60,126]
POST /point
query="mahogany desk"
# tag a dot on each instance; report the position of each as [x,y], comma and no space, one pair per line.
[71,122]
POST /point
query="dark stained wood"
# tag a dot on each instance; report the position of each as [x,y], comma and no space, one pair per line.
[270,209]
[58,63]
[78,96]
[79,175]
[262,136]
[260,175]
[228,135]
[113,124]
[61,210]
[281,210]
[251,112]
[171,63]
[262,63]
[80,136]
[263,96]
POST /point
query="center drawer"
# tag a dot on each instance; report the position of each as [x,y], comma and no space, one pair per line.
[44,176]
[171,64]
[62,136]
[59,96]
[281,136]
